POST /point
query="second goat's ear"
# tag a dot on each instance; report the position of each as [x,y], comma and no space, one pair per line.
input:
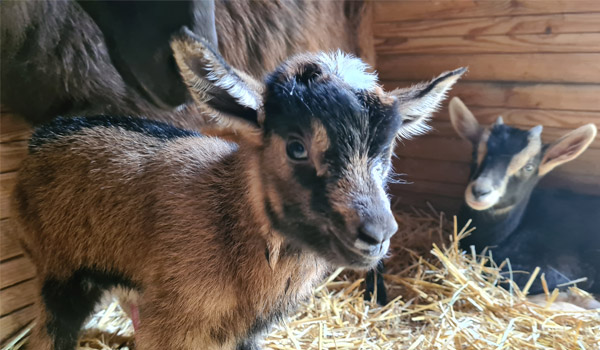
[567,147]
[463,121]
[416,104]
[233,97]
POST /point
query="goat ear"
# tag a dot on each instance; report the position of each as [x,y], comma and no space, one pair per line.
[232,96]
[464,121]
[567,148]
[417,103]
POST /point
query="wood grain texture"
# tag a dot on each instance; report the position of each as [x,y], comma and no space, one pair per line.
[547,68]
[9,247]
[430,187]
[408,200]
[13,128]
[496,25]
[18,296]
[392,11]
[13,322]
[573,97]
[7,181]
[524,43]
[561,119]
[11,155]
[15,271]
[432,170]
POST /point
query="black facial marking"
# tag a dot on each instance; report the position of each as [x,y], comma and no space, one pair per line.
[503,143]
[505,140]
[309,73]
[62,126]
[69,302]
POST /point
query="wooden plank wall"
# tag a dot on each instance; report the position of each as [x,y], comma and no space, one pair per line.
[17,284]
[531,61]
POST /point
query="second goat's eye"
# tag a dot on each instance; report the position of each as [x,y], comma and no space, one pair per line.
[296,150]
[529,167]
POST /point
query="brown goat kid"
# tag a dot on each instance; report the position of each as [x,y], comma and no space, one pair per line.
[216,239]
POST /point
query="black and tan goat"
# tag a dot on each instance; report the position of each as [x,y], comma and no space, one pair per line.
[216,240]
[67,57]
[554,229]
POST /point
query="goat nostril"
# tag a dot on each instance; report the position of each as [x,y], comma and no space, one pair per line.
[480,192]
[369,236]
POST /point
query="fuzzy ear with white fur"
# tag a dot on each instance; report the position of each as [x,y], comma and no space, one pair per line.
[417,103]
[567,148]
[463,121]
[230,95]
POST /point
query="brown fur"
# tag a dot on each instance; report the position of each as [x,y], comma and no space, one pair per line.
[79,78]
[234,292]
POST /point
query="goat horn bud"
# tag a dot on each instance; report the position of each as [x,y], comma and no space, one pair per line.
[536,131]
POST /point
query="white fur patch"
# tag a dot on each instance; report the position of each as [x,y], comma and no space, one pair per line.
[352,70]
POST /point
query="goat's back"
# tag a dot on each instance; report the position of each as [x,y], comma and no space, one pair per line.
[564,218]
[559,232]
[88,191]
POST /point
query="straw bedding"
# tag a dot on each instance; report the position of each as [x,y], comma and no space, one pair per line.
[442,299]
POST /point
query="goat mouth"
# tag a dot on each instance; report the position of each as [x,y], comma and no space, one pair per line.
[349,256]
[481,203]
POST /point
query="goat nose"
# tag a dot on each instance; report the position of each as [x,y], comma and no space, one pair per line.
[480,191]
[374,234]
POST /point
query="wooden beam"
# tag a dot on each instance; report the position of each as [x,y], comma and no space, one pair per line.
[432,170]
[392,11]
[17,297]
[449,205]
[429,187]
[571,97]
[13,322]
[559,119]
[490,25]
[525,43]
[7,181]
[15,271]
[9,247]
[11,155]
[547,68]
[13,128]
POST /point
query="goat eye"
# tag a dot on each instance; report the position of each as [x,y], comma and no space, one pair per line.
[296,150]
[529,167]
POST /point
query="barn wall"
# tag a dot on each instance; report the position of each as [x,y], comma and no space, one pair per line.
[17,286]
[533,62]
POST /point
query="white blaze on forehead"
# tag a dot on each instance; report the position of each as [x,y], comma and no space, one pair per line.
[352,70]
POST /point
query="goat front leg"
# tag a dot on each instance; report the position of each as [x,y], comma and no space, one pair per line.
[172,324]
[249,344]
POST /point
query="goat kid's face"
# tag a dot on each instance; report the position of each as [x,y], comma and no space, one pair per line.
[324,133]
[508,162]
